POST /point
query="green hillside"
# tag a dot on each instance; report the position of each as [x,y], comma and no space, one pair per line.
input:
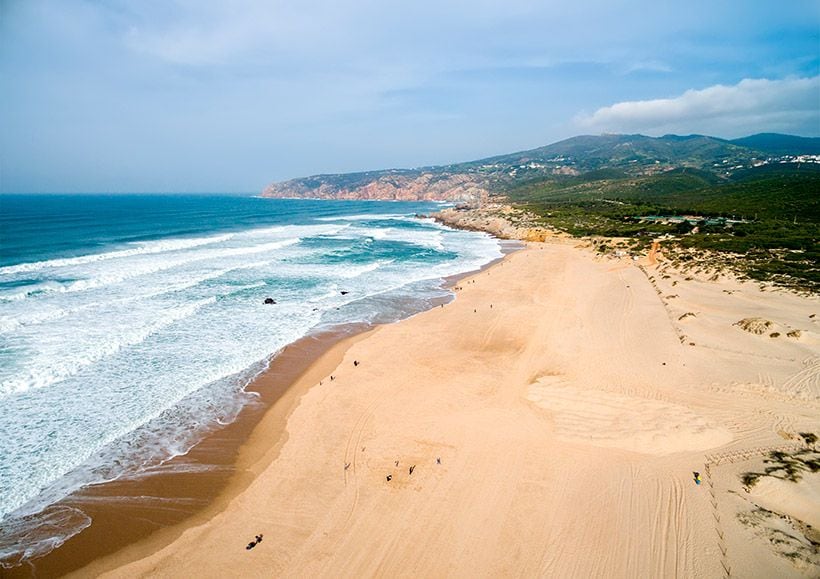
[778,207]
[777,144]
[633,155]
[592,152]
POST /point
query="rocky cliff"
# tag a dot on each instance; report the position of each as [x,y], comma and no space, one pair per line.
[391,186]
[498,219]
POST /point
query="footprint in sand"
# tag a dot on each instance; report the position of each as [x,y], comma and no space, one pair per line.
[626,422]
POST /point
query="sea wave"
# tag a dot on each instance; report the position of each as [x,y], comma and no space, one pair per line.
[143,248]
[368,217]
[46,372]
[129,271]
[50,313]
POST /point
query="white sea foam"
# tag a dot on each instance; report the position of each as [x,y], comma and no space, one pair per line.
[367,217]
[130,270]
[48,313]
[29,537]
[45,370]
[18,319]
[145,248]
[350,272]
[288,231]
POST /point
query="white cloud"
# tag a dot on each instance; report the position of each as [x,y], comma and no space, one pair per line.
[751,106]
[648,66]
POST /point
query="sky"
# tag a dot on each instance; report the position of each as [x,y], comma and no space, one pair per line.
[207,96]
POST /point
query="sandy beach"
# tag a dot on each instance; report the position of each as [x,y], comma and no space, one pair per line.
[553,416]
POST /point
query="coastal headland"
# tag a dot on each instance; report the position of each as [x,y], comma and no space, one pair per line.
[568,414]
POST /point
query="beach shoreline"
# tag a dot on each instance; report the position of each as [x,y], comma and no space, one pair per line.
[145,512]
[121,517]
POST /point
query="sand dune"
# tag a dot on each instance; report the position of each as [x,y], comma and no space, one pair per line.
[568,411]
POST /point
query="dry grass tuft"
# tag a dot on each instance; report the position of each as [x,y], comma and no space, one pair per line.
[753,325]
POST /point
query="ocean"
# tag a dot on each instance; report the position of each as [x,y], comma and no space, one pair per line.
[132,324]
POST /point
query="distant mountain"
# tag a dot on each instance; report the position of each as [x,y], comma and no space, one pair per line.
[777,144]
[588,157]
[593,152]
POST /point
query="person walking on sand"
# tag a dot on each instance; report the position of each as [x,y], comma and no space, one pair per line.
[412,468]
[255,542]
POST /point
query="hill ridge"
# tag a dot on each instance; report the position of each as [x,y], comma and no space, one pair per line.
[472,181]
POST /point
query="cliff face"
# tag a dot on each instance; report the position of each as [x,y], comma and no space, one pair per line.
[408,186]
[500,220]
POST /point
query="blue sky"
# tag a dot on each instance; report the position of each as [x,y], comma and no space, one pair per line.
[196,95]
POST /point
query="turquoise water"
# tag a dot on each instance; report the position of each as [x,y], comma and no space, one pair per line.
[130,324]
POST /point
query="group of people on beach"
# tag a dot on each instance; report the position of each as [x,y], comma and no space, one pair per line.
[412,468]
